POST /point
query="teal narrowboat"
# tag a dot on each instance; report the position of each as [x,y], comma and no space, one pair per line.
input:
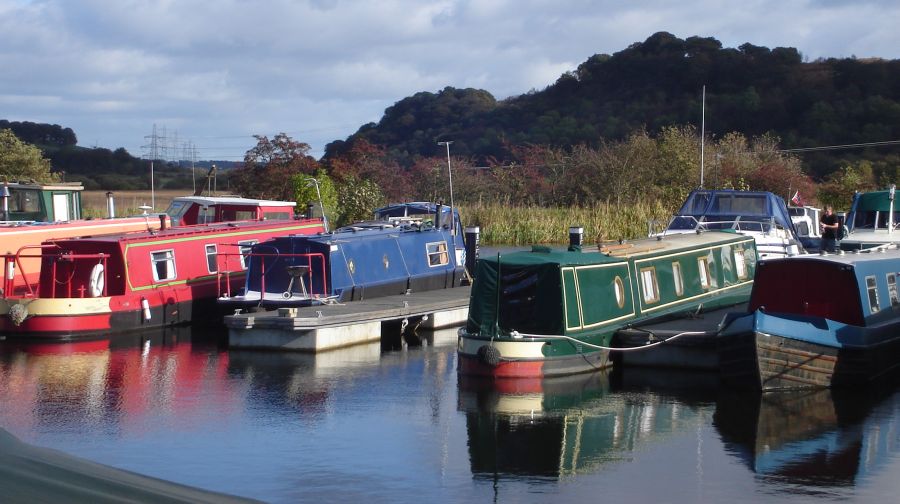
[549,312]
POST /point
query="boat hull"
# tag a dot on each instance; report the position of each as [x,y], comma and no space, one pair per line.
[528,357]
[772,352]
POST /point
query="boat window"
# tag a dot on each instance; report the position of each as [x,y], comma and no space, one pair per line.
[620,291]
[163,265]
[206,215]
[437,254]
[679,280]
[211,263]
[892,289]
[873,294]
[649,286]
[245,247]
[278,215]
[740,266]
[25,201]
[703,263]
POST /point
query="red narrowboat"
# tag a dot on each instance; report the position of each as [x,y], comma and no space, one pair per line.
[92,287]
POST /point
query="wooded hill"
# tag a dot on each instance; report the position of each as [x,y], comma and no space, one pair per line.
[656,83]
[647,87]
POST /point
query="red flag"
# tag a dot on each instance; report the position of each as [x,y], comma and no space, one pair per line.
[797,200]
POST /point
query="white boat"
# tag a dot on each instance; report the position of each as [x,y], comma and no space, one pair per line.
[759,214]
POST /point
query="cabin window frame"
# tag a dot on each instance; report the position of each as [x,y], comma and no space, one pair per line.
[168,258]
[619,291]
[648,279]
[678,278]
[740,264]
[872,291]
[893,293]
[244,248]
[212,261]
[437,254]
[704,274]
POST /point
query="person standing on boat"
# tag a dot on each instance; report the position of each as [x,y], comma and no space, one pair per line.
[829,225]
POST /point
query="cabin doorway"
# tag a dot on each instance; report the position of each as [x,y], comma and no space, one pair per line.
[61,207]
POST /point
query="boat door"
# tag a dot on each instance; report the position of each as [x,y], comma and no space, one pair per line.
[61,207]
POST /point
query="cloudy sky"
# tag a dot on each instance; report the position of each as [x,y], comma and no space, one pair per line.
[214,73]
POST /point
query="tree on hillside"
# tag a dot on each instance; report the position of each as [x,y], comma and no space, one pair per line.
[270,167]
[20,161]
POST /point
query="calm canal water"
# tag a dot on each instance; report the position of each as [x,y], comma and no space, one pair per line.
[393,425]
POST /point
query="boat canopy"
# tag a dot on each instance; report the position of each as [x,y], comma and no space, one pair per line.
[524,291]
[871,210]
[722,208]
[417,209]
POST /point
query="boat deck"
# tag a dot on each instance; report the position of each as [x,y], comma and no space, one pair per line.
[325,327]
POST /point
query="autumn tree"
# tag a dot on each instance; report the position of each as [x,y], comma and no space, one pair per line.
[21,161]
[271,166]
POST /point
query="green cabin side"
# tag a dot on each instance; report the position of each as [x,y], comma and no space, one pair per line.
[41,202]
[590,295]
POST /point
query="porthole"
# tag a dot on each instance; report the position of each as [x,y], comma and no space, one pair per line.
[620,292]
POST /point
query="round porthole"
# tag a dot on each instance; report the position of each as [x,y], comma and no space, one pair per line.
[620,292]
[351,266]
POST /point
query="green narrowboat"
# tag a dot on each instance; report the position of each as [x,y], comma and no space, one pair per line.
[548,312]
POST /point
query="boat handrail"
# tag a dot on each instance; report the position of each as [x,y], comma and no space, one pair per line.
[310,257]
[13,261]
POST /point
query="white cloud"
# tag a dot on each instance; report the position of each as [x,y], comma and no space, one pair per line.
[220,72]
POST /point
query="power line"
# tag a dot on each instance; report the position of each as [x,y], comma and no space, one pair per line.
[844,146]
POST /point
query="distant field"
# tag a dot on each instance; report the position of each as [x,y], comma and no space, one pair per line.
[127,202]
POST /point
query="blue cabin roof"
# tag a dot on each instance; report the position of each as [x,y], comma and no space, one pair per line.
[359,261]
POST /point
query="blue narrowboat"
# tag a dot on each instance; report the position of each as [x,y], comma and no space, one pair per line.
[408,247]
[816,321]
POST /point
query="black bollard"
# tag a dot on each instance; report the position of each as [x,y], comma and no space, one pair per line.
[472,240]
[576,238]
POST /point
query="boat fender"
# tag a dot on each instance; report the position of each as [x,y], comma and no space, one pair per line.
[17,314]
[489,355]
[145,307]
[96,283]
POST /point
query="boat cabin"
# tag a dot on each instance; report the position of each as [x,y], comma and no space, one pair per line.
[401,251]
[856,289]
[191,210]
[33,202]
[872,221]
[559,292]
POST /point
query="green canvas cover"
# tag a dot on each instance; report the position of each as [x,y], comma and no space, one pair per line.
[873,201]
[522,291]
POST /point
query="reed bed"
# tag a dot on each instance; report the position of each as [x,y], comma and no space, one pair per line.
[505,224]
[127,202]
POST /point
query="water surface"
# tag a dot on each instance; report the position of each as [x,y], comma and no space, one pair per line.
[396,424]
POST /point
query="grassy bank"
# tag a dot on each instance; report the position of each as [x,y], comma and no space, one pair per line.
[526,225]
[127,202]
[501,224]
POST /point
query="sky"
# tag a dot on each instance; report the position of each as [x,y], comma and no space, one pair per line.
[208,75]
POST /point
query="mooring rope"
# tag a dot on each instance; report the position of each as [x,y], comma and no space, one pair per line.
[517,334]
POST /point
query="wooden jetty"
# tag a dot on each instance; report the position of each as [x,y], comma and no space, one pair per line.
[326,327]
[692,345]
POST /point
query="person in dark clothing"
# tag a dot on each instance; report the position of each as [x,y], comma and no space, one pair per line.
[829,225]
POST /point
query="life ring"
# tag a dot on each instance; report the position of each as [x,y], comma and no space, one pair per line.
[96,285]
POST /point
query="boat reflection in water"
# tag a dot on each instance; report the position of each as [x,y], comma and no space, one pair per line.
[808,439]
[114,383]
[563,426]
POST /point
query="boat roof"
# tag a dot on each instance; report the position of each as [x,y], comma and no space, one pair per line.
[852,259]
[176,232]
[414,207]
[727,202]
[873,201]
[232,200]
[54,186]
[620,252]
